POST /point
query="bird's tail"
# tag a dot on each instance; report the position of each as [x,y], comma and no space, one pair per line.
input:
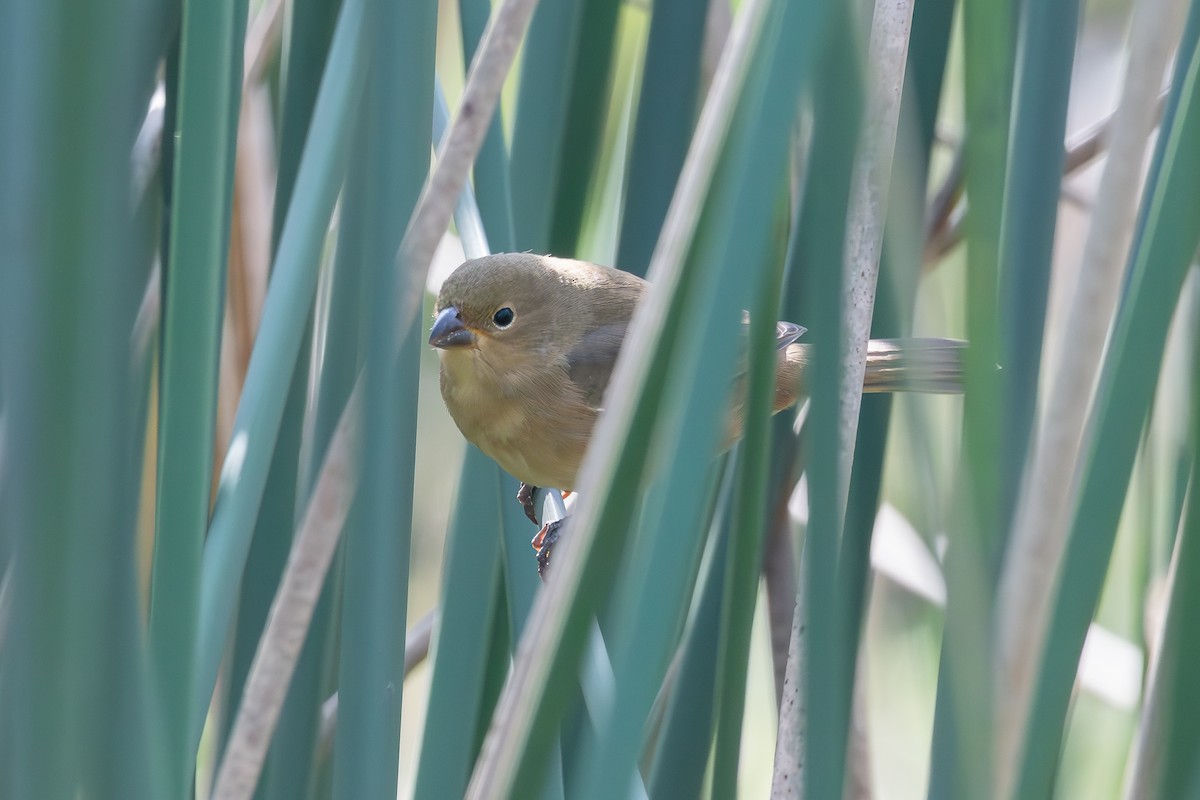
[932,366]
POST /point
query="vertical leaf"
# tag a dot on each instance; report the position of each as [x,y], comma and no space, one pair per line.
[1045,53]
[685,739]
[75,699]
[472,574]
[820,242]
[591,76]
[1164,251]
[285,313]
[397,120]
[194,277]
[491,179]
[748,534]
[961,753]
[311,27]
[665,114]
[1171,735]
[542,118]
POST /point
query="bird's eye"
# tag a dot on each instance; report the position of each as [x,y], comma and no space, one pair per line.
[503,318]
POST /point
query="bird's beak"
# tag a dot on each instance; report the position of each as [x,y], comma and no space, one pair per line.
[449,331]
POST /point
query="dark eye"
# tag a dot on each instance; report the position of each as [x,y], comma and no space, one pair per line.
[503,318]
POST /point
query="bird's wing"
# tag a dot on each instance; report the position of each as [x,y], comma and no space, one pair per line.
[786,333]
[590,363]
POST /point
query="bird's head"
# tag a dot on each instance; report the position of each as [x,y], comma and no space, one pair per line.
[502,304]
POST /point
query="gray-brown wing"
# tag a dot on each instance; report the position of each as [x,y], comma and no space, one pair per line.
[786,333]
[590,363]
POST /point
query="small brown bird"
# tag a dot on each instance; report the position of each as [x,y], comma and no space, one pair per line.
[528,344]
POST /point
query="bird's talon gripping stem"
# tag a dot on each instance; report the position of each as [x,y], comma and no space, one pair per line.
[525,496]
[544,542]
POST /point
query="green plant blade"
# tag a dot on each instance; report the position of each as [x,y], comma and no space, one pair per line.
[1164,251]
[311,27]
[285,313]
[521,585]
[542,117]
[820,244]
[665,116]
[687,729]
[310,37]
[209,97]
[472,573]
[1172,736]
[309,419]
[749,529]
[1045,53]
[76,699]
[306,429]
[591,76]
[491,180]
[397,118]
[961,754]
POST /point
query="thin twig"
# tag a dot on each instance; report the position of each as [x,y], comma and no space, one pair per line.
[944,230]
[147,154]
[779,575]
[890,30]
[147,148]
[947,197]
[262,40]
[717,23]
[254,180]
[250,232]
[249,253]
[858,762]
[6,581]
[787,782]
[1088,146]
[1146,754]
[291,611]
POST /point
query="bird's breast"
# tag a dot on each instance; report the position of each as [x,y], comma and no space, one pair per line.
[528,427]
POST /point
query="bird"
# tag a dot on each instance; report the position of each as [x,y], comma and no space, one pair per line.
[528,344]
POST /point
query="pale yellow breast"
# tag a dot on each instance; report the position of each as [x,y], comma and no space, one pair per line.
[529,429]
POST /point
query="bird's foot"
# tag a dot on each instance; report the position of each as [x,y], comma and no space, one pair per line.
[526,496]
[544,542]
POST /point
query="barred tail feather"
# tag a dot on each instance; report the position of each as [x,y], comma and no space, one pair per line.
[932,366]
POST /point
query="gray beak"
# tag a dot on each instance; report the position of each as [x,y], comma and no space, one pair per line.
[449,331]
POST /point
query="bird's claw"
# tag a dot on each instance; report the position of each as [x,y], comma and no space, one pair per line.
[544,542]
[526,496]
